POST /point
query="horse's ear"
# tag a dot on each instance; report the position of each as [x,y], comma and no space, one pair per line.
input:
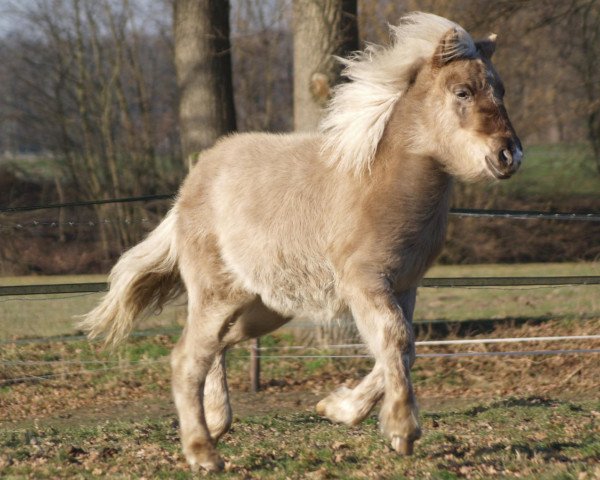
[487,47]
[447,49]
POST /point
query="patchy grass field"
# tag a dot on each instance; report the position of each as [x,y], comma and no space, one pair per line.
[69,409]
[51,315]
[532,437]
[90,413]
[550,171]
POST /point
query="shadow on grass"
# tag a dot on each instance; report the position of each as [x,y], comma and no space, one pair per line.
[511,402]
[443,328]
[464,456]
[550,451]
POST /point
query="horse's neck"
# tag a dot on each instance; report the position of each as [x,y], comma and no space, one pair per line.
[415,182]
[415,192]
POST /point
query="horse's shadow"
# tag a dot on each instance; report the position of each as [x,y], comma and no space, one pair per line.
[549,451]
[466,455]
[511,402]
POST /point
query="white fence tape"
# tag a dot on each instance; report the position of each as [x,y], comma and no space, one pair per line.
[446,342]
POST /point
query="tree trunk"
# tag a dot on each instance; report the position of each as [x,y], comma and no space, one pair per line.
[593,124]
[203,65]
[322,28]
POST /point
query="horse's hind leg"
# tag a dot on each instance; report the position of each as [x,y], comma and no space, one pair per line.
[255,320]
[191,362]
[209,314]
[217,409]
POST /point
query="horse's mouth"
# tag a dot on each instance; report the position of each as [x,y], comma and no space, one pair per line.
[495,171]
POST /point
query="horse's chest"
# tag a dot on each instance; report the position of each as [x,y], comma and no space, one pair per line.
[431,242]
[415,253]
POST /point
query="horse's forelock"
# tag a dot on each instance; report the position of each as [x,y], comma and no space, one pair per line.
[360,109]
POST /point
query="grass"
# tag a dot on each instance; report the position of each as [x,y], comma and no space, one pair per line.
[140,366]
[554,171]
[42,316]
[487,417]
[457,304]
[516,270]
[525,417]
[529,437]
[51,315]
[94,413]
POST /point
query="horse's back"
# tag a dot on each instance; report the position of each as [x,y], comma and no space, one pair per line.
[252,177]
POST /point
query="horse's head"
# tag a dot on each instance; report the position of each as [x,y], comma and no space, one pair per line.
[433,91]
[465,113]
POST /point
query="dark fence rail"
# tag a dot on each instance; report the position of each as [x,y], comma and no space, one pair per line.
[427,282]
[440,282]
[87,203]
[525,214]
[462,212]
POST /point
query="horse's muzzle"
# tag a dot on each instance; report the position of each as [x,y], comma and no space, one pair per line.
[507,161]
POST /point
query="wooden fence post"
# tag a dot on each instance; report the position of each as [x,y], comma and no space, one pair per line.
[255,365]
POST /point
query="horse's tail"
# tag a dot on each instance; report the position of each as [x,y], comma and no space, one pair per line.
[142,281]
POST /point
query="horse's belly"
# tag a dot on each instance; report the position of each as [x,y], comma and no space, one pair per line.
[292,285]
[312,299]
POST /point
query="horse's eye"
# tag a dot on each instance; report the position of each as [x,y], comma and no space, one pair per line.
[463,94]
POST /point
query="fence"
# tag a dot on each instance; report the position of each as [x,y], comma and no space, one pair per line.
[257,352]
[465,212]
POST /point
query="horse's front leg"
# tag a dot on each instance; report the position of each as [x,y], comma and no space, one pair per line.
[384,320]
[352,405]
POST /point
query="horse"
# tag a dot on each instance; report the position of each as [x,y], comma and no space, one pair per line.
[343,221]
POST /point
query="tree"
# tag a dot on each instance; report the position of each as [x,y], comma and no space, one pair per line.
[203,65]
[583,23]
[81,83]
[262,58]
[575,30]
[322,29]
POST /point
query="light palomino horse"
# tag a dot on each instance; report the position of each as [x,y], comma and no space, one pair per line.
[341,222]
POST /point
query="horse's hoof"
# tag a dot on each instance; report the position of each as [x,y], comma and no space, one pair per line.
[212,465]
[203,455]
[403,446]
[215,465]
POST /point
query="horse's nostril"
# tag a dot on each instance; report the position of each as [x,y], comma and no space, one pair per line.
[506,157]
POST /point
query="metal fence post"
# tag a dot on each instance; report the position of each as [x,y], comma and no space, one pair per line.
[255,365]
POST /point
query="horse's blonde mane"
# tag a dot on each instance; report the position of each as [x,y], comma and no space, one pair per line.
[360,109]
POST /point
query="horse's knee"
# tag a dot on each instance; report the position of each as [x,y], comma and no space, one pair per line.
[351,406]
